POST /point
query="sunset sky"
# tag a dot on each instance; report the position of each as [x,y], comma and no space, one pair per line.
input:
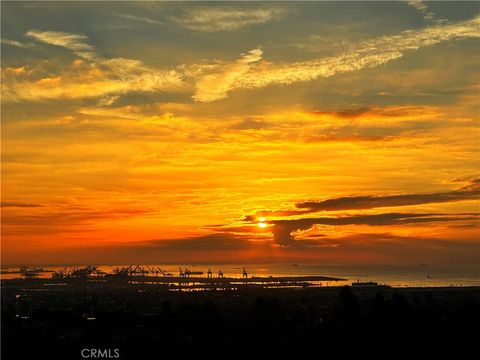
[140,132]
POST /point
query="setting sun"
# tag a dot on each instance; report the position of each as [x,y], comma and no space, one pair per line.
[261,223]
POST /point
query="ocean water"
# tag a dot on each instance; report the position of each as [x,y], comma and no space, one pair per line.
[421,275]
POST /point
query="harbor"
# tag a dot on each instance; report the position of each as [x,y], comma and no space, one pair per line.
[155,277]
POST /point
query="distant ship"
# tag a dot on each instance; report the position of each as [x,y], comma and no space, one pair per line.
[34,271]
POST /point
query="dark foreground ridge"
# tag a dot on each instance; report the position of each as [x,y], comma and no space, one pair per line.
[143,322]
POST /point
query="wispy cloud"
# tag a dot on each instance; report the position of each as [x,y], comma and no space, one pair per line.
[140,19]
[470,191]
[368,54]
[215,85]
[76,43]
[283,229]
[106,77]
[371,202]
[226,19]
[214,81]
[428,15]
[68,219]
[17,44]
[18,204]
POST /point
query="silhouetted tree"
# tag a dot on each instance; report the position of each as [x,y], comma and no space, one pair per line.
[348,307]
